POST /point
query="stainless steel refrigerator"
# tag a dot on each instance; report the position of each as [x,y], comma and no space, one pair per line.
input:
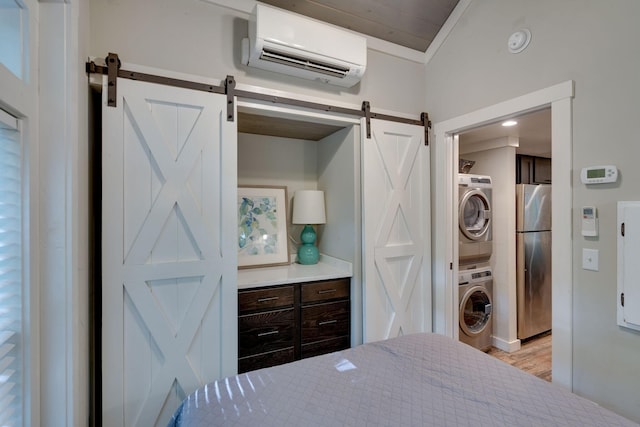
[533,258]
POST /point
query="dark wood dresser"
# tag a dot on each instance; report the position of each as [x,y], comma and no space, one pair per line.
[280,324]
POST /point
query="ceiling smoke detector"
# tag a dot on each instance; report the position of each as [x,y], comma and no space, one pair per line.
[519,40]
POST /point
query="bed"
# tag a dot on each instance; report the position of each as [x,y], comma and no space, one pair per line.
[413,380]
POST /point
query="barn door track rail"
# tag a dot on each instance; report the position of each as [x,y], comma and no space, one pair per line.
[113,70]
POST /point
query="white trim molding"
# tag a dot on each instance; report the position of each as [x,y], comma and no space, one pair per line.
[442,35]
[63,215]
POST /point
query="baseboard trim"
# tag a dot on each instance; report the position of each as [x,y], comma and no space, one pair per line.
[508,346]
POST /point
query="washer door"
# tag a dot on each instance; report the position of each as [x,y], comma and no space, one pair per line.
[474,214]
[475,310]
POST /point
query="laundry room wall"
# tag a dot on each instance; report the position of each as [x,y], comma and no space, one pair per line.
[499,164]
[592,43]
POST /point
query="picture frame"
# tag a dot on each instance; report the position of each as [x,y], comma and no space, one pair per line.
[262,226]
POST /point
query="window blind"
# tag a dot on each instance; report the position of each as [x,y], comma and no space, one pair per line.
[11,320]
[13,29]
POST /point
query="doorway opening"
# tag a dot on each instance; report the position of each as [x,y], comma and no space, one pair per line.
[445,249]
[515,156]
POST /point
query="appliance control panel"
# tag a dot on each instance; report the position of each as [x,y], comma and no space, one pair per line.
[599,174]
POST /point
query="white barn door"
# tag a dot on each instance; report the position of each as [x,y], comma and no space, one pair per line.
[169,295]
[396,231]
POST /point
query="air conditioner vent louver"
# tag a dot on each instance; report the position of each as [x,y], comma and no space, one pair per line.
[305,64]
[293,44]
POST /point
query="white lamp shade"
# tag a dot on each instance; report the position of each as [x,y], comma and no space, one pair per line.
[308,207]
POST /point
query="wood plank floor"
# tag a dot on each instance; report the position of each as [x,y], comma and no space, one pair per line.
[534,356]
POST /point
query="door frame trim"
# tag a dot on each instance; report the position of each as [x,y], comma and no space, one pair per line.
[444,232]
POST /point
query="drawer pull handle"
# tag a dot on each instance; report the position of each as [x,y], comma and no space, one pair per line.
[262,334]
[327,322]
[326,291]
[267,299]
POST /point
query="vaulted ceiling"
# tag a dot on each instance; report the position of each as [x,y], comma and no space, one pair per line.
[413,24]
[409,23]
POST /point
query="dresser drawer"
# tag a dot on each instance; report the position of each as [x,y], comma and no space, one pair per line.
[265,360]
[282,323]
[265,298]
[325,321]
[325,290]
[327,346]
[266,331]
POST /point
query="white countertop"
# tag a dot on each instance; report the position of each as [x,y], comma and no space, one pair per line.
[326,268]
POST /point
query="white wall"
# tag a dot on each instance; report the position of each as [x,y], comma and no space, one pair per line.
[500,164]
[592,43]
[199,38]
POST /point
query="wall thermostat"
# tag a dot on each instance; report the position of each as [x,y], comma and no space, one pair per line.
[599,174]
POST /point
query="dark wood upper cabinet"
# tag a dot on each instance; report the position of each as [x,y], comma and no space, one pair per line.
[533,170]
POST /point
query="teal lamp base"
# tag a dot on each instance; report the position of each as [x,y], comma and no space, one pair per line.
[308,254]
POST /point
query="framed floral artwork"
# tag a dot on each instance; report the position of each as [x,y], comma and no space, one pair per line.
[262,226]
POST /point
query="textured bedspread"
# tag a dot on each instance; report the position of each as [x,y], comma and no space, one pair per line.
[415,380]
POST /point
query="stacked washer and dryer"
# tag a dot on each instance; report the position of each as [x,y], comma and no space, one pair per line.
[475,247]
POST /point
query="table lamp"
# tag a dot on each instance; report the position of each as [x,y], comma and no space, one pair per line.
[308,209]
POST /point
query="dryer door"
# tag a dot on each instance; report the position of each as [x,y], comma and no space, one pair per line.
[474,214]
[475,310]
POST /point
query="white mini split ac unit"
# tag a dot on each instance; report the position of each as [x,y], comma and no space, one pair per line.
[293,44]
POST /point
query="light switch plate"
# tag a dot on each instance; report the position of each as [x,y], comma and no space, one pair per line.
[590,259]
